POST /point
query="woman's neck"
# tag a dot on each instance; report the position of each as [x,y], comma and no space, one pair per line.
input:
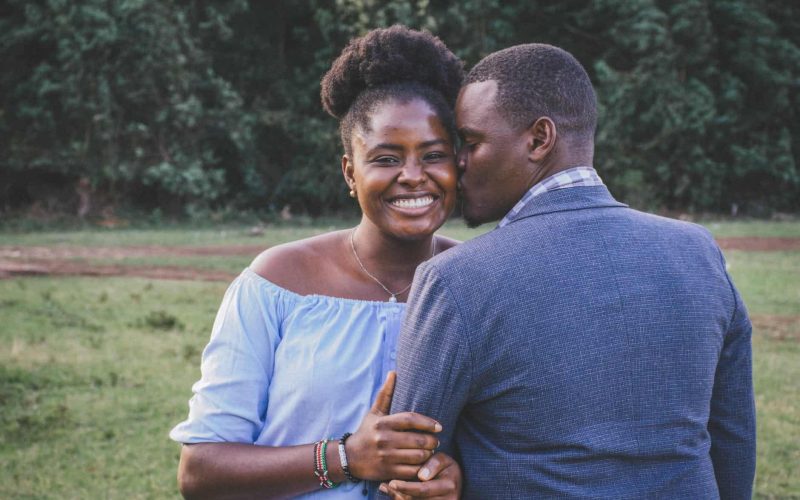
[391,259]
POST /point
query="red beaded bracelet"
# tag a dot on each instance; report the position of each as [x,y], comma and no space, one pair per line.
[321,465]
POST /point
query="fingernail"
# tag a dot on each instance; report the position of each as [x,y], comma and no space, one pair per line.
[437,427]
[424,473]
[383,488]
[438,443]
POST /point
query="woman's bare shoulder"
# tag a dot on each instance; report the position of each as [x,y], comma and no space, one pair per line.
[296,265]
[444,243]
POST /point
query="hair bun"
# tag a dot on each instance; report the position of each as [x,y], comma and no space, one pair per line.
[390,55]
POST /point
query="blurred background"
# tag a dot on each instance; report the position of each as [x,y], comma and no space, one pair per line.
[186,108]
[149,149]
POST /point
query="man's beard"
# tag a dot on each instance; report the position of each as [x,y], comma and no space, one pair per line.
[471,222]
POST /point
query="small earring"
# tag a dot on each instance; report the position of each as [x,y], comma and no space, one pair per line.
[352,193]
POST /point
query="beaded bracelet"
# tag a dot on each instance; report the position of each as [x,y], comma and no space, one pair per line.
[343,459]
[321,465]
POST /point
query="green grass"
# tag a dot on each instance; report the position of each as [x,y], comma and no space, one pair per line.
[277,233]
[776,367]
[94,372]
[235,235]
[769,281]
[90,385]
[754,228]
[273,234]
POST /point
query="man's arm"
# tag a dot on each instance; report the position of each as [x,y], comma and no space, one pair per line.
[732,423]
[434,363]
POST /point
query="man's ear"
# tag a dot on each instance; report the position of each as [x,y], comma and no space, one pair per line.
[542,136]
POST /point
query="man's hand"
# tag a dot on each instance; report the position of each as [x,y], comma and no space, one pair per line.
[440,476]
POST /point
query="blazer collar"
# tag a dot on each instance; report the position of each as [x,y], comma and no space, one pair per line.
[568,199]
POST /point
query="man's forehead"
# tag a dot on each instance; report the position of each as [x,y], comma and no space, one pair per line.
[478,92]
[475,100]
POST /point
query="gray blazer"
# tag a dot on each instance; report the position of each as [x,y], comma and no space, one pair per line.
[585,350]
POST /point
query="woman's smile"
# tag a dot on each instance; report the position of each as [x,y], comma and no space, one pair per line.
[414,203]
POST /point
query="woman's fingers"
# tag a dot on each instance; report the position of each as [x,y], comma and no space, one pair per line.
[414,457]
[383,444]
[392,440]
[393,494]
[410,421]
[434,466]
[441,488]
[403,472]
[383,401]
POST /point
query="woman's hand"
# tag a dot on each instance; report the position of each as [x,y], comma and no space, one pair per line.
[390,446]
[441,478]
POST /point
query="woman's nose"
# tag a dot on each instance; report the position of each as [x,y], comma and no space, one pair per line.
[413,173]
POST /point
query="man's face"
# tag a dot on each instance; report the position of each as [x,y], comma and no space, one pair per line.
[493,160]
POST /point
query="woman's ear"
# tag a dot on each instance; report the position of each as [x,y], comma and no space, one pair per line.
[542,136]
[347,172]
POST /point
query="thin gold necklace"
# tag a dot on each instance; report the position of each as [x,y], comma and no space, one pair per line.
[392,295]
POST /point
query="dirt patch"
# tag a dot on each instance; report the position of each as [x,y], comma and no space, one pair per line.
[76,252]
[776,327]
[37,267]
[66,260]
[760,244]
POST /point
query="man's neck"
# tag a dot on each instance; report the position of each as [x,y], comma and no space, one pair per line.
[541,174]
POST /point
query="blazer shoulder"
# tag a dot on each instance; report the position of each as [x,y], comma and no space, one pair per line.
[685,228]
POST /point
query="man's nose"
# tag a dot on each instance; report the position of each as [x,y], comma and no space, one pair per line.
[461,158]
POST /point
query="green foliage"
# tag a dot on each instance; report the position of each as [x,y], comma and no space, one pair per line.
[120,93]
[185,106]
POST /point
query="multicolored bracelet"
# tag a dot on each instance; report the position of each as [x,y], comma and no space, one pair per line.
[321,465]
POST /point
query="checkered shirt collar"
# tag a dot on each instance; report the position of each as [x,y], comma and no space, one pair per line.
[572,177]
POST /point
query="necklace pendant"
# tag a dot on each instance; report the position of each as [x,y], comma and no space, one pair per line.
[392,299]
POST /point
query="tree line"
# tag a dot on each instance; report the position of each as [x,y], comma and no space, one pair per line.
[185,106]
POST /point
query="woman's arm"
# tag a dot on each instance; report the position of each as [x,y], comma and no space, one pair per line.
[237,470]
[381,448]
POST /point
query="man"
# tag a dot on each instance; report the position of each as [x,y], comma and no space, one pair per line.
[581,349]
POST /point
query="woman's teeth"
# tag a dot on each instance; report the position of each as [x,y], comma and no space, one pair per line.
[413,202]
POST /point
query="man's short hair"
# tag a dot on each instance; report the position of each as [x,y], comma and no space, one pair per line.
[536,80]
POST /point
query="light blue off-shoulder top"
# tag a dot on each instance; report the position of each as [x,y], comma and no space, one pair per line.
[285,369]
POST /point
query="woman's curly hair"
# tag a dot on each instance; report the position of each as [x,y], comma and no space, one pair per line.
[390,63]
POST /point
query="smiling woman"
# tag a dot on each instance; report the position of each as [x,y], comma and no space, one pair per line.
[402,170]
[307,334]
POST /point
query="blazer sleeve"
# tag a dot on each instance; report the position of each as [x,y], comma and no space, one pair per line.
[732,421]
[434,362]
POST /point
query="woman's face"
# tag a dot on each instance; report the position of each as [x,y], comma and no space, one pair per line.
[403,169]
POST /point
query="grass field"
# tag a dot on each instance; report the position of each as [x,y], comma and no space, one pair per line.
[95,371]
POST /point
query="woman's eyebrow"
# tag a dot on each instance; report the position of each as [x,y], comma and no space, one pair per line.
[430,143]
[386,145]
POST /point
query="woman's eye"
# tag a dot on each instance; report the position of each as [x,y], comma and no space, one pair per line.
[436,155]
[386,160]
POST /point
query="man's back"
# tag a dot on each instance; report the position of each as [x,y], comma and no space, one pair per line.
[575,352]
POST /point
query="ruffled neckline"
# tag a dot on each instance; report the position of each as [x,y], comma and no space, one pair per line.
[248,272]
